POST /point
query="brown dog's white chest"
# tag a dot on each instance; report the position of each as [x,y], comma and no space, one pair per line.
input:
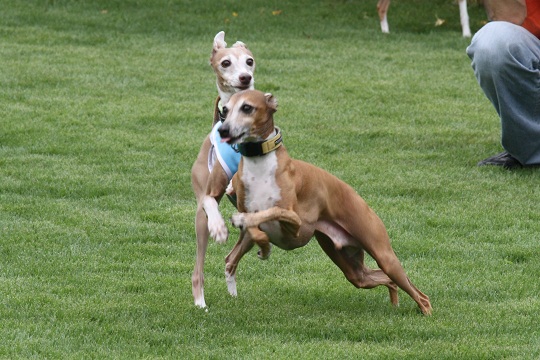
[261,191]
[259,179]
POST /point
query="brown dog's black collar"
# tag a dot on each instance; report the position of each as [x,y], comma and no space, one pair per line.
[259,148]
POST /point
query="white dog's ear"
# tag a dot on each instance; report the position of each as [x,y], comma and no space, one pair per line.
[271,102]
[219,41]
[239,44]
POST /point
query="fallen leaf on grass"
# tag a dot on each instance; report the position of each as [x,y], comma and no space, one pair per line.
[439,21]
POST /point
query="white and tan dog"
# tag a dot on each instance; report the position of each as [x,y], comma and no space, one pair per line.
[286,202]
[383,5]
[216,164]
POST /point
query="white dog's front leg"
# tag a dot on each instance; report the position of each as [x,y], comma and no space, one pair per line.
[216,225]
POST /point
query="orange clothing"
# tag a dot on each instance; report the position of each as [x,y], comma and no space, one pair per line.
[532,21]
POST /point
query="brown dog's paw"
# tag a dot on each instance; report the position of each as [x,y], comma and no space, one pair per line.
[239,220]
[264,252]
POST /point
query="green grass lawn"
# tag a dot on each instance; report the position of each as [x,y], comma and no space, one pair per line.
[103,107]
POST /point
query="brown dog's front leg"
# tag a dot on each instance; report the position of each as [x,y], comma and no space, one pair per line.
[248,220]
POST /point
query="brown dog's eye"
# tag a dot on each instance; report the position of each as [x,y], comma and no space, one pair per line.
[224,111]
[246,108]
[249,62]
[225,63]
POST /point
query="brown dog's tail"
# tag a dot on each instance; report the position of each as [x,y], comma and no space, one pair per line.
[217,113]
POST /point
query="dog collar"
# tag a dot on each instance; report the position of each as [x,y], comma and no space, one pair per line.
[259,148]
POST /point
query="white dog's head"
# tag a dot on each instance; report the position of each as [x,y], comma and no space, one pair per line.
[234,67]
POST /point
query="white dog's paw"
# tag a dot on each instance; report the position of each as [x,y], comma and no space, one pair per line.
[231,283]
[218,230]
[216,225]
[200,303]
[239,220]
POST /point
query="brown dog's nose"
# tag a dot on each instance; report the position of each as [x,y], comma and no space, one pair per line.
[245,79]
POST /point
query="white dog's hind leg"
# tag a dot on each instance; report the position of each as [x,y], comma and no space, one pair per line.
[231,283]
[199,300]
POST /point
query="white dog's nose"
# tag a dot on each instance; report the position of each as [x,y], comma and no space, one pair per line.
[245,79]
[224,131]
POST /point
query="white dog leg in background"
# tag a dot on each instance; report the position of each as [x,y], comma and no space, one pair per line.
[464,17]
[383,5]
[384,25]
[382,9]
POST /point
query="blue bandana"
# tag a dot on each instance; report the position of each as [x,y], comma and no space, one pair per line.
[225,154]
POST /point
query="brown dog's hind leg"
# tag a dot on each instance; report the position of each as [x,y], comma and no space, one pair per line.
[389,263]
[372,237]
[262,240]
[243,245]
[352,265]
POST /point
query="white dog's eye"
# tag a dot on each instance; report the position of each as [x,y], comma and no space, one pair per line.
[226,63]
[249,62]
[246,108]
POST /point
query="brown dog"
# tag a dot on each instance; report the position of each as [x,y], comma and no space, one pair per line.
[210,173]
[286,202]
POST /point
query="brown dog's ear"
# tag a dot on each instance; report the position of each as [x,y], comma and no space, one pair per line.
[239,44]
[219,41]
[271,102]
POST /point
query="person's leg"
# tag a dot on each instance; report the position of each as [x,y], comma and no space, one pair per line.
[506,62]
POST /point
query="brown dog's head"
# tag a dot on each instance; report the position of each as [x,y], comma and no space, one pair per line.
[248,117]
[234,67]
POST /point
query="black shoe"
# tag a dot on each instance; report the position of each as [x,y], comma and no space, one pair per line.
[503,159]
